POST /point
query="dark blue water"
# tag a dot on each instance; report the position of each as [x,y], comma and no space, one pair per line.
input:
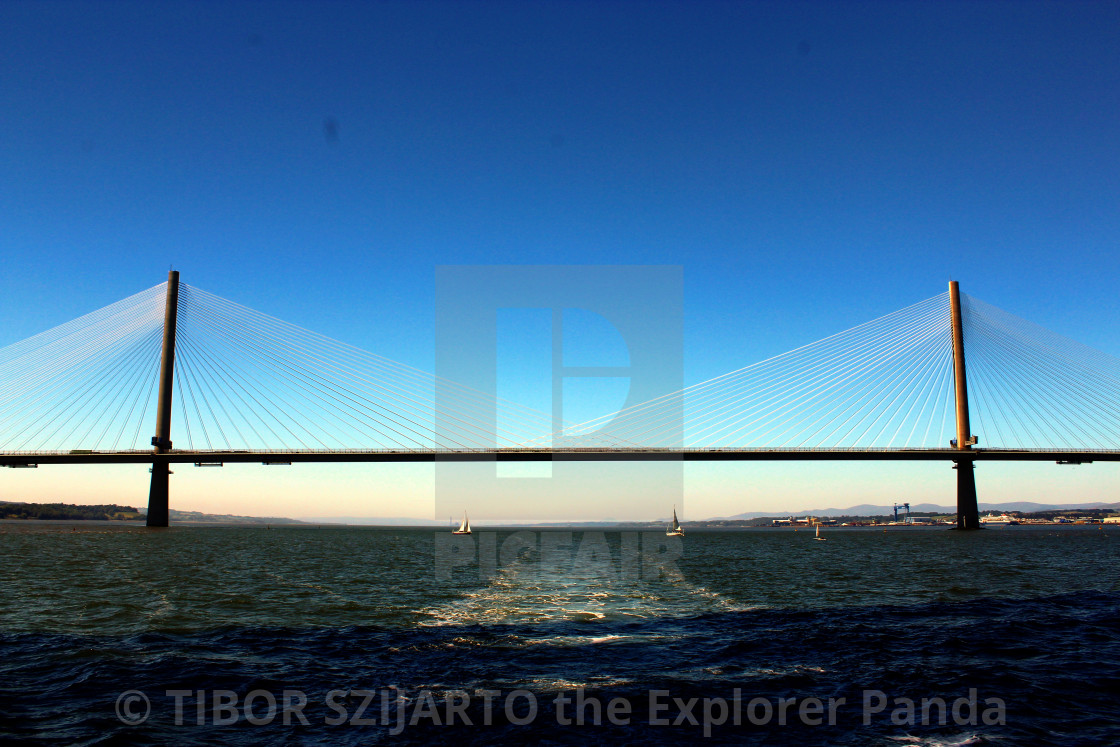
[747,637]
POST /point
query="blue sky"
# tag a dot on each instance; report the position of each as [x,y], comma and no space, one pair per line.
[809,165]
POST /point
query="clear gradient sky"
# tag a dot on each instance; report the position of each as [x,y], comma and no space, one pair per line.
[810,165]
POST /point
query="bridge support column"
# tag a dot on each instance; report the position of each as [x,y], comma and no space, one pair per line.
[158,511]
[968,513]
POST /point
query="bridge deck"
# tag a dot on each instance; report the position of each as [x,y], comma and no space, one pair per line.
[15,459]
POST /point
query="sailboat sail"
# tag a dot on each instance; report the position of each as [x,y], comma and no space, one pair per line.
[674,529]
[465,526]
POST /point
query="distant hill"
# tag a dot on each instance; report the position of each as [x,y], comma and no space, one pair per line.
[866,509]
[67,512]
[112,512]
[197,517]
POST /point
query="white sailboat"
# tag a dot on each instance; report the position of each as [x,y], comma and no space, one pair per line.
[674,529]
[819,538]
[465,527]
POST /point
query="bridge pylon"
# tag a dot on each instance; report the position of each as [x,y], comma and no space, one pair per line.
[158,513]
[968,511]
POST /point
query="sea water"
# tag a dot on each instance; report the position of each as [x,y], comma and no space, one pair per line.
[348,635]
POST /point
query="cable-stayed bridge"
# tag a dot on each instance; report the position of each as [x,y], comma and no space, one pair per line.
[248,387]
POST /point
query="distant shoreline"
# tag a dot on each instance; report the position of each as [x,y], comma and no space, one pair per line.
[510,528]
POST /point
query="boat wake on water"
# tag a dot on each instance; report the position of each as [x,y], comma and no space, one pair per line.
[524,594]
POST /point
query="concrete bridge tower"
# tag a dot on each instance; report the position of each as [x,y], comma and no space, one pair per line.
[968,513]
[161,469]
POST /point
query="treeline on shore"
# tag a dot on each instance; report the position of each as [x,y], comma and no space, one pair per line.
[68,511]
